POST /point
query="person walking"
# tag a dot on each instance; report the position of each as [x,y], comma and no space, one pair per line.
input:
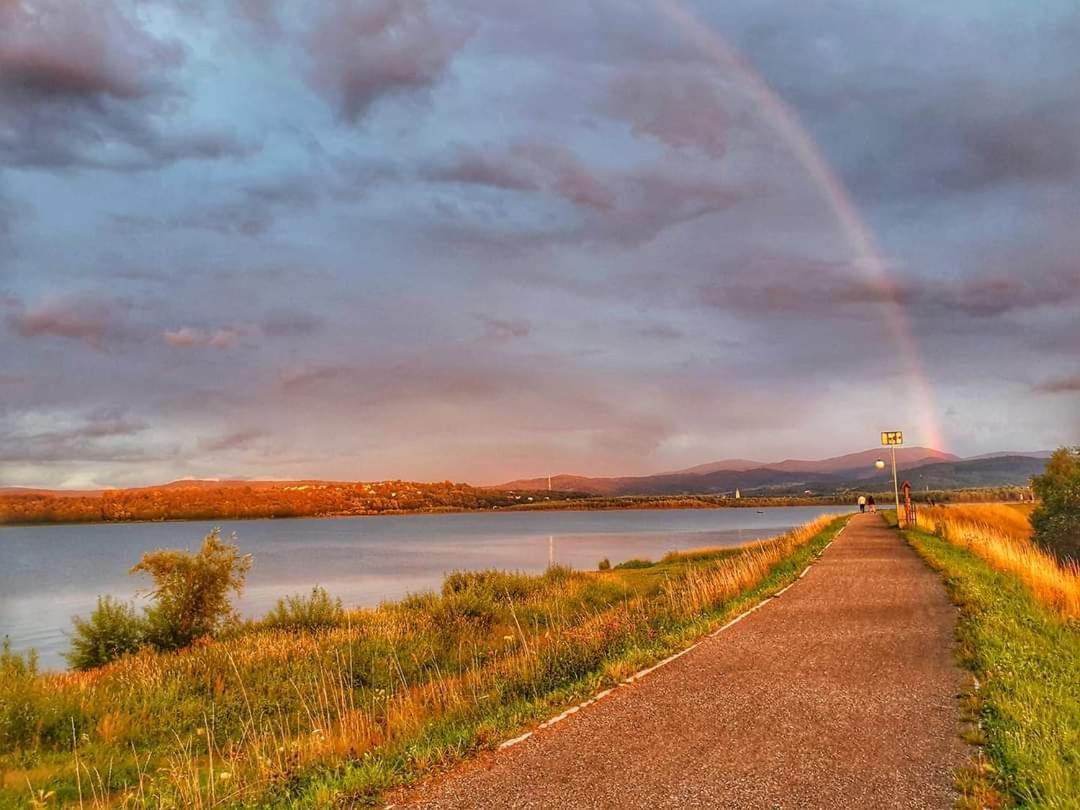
[862,503]
[870,502]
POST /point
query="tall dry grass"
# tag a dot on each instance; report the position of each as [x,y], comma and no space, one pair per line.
[1001,535]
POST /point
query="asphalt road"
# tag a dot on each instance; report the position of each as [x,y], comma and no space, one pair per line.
[841,693]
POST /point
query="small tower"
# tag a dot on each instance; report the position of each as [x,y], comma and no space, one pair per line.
[737,494]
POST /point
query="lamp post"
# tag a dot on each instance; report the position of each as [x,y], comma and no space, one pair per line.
[892,439]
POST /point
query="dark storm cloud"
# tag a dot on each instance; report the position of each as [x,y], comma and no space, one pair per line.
[987,104]
[82,85]
[361,52]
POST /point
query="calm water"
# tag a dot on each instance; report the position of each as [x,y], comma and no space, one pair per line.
[50,573]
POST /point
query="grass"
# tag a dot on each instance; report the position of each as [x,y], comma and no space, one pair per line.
[1013,635]
[1001,535]
[273,717]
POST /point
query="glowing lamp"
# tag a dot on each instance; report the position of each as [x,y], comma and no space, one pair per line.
[879,464]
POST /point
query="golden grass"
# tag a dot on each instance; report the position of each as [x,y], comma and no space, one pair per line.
[1001,535]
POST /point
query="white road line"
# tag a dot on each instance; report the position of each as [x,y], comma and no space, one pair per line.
[515,741]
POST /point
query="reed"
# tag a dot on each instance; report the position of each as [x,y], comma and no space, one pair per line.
[1001,535]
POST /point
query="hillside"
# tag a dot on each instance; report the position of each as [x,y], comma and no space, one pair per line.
[905,456]
[234,500]
[923,466]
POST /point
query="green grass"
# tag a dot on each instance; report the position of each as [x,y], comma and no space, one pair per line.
[1027,662]
[340,715]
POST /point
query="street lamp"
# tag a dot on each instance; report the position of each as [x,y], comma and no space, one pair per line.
[892,439]
[879,464]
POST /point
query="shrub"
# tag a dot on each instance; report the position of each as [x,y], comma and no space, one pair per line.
[316,611]
[556,574]
[631,564]
[604,565]
[191,591]
[113,630]
[494,584]
[1056,521]
[477,610]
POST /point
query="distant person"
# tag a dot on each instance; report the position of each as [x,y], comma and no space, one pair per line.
[871,504]
[862,503]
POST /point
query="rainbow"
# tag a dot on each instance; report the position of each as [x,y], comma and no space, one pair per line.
[867,253]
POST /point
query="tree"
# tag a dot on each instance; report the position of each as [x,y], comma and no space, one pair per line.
[1056,520]
[113,630]
[192,591]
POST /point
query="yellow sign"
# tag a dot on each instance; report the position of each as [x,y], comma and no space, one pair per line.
[892,437]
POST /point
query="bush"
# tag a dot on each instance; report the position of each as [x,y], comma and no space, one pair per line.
[604,565]
[1056,520]
[494,584]
[556,574]
[113,630]
[632,564]
[191,591]
[316,611]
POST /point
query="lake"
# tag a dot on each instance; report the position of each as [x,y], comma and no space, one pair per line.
[50,573]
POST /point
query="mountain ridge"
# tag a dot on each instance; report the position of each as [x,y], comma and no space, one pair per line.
[848,471]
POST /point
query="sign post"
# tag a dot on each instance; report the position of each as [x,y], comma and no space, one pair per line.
[893,439]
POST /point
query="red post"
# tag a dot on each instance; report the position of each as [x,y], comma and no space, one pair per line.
[909,507]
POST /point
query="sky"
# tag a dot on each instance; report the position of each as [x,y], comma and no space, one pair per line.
[489,239]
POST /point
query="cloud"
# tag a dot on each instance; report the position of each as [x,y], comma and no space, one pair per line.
[956,120]
[221,338]
[291,323]
[362,52]
[469,165]
[184,336]
[252,211]
[305,377]
[676,107]
[566,175]
[626,207]
[660,331]
[86,84]
[236,440]
[1060,385]
[101,434]
[784,286]
[96,322]
[504,328]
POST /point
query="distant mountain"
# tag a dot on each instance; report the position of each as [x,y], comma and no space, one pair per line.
[1043,454]
[995,471]
[907,456]
[724,465]
[922,466]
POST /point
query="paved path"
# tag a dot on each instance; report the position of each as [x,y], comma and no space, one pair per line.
[841,693]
